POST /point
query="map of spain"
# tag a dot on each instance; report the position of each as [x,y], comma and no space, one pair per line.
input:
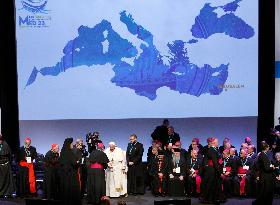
[147,71]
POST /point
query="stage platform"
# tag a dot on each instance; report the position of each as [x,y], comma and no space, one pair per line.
[148,199]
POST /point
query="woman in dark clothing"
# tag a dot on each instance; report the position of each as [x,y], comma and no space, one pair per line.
[7,186]
[69,186]
[265,184]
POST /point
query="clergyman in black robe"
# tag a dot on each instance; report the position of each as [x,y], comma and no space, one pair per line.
[158,170]
[194,170]
[27,182]
[177,173]
[7,186]
[265,184]
[135,174]
[51,176]
[96,185]
[212,174]
[69,183]
[81,153]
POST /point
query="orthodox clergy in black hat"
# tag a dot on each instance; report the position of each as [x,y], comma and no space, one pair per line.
[69,186]
[159,172]
[7,187]
[176,173]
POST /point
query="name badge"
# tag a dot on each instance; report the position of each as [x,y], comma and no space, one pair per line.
[246,167]
[271,165]
[170,144]
[28,160]
[178,170]
[192,171]
[224,170]
[83,159]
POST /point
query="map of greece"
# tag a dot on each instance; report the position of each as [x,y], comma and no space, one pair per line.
[146,71]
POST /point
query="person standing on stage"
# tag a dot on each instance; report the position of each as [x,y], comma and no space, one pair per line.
[265,184]
[7,186]
[51,176]
[96,185]
[69,181]
[158,170]
[27,182]
[135,175]
[161,132]
[116,167]
[212,176]
[80,151]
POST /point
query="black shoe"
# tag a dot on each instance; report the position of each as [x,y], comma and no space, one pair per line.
[134,194]
[163,195]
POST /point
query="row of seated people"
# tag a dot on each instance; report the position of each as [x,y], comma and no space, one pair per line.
[175,171]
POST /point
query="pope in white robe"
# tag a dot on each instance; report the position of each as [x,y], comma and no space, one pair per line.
[115,173]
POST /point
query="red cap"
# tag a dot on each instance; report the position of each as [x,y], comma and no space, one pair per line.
[54,146]
[27,139]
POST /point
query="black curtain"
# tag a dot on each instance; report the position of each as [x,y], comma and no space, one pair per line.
[266,68]
[8,75]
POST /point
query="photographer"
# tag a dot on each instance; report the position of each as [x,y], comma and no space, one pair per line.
[80,152]
[92,141]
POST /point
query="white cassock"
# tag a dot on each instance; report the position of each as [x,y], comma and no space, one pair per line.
[115,176]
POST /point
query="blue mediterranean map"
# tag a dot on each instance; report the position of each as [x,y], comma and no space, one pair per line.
[149,72]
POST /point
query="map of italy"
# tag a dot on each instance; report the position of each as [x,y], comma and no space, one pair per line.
[148,72]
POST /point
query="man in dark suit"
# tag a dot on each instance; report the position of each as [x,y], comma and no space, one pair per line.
[135,175]
[265,185]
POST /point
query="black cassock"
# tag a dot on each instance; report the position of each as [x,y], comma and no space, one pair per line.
[248,179]
[277,174]
[193,166]
[96,185]
[159,184]
[265,183]
[212,189]
[69,183]
[176,187]
[23,174]
[229,166]
[81,155]
[135,174]
[51,176]
[7,186]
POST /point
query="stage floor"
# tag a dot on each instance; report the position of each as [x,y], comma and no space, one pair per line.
[148,199]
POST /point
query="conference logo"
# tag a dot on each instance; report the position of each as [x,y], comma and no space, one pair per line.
[34,14]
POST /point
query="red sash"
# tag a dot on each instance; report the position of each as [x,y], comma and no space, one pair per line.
[96,166]
[210,162]
[31,175]
[79,177]
[197,182]
[228,169]
[160,184]
[242,182]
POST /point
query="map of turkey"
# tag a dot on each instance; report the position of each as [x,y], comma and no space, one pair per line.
[148,72]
